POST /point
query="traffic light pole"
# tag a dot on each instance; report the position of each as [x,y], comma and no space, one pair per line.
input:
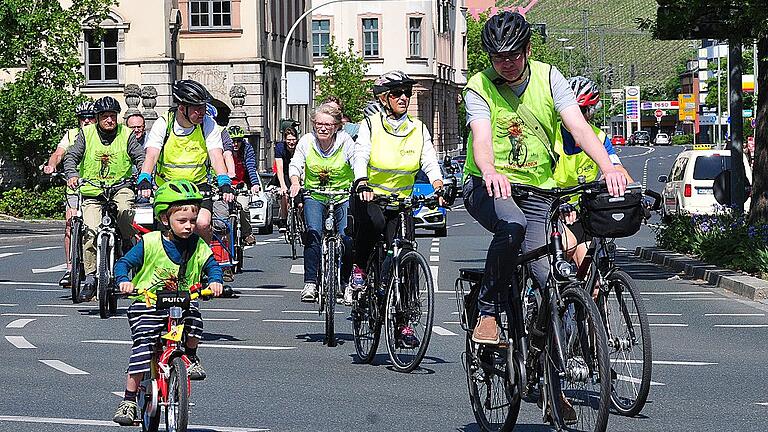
[737,125]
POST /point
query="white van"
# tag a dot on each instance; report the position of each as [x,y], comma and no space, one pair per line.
[688,188]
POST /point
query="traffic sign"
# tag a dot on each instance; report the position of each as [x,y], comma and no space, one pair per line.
[659,114]
[688,106]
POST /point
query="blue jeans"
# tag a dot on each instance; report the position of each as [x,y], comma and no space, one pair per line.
[314,215]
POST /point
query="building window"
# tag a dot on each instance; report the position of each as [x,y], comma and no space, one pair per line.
[321,37]
[446,18]
[101,57]
[370,37]
[414,29]
[210,14]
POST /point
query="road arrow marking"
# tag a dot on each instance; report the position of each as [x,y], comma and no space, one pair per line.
[20,342]
[54,269]
[63,367]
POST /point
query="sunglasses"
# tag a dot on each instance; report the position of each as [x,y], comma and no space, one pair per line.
[87,117]
[515,56]
[396,93]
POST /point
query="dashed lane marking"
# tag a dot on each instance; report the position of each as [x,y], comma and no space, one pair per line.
[308,312]
[9,254]
[741,325]
[660,314]
[38,315]
[45,248]
[456,225]
[434,250]
[260,295]
[734,314]
[19,323]
[29,283]
[230,310]
[54,269]
[761,403]
[105,423]
[703,298]
[434,258]
[20,342]
[9,304]
[10,246]
[268,289]
[38,290]
[667,325]
[678,293]
[451,322]
[202,344]
[636,380]
[273,240]
[293,321]
[63,367]
[667,362]
[435,271]
[222,319]
[442,331]
[297,269]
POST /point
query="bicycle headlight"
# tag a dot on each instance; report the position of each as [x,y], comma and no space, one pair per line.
[329,223]
[106,220]
[564,269]
[257,204]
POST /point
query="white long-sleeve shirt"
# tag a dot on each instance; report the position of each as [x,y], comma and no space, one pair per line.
[429,163]
[298,161]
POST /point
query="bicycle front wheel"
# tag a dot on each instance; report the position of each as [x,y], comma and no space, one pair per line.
[583,382]
[629,343]
[149,406]
[177,410]
[330,287]
[104,277]
[409,312]
[76,257]
[366,311]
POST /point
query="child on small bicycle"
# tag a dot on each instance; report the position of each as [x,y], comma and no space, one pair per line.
[175,257]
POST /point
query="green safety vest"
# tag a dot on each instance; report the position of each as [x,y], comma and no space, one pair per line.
[395,159]
[109,164]
[158,271]
[520,153]
[182,157]
[72,136]
[570,167]
[331,172]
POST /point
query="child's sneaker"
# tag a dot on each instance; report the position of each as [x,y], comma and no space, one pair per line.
[196,371]
[358,278]
[126,414]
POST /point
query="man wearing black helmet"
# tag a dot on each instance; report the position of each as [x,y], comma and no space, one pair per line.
[103,152]
[513,109]
[182,145]
[85,116]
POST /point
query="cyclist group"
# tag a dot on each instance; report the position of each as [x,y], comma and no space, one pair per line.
[528,125]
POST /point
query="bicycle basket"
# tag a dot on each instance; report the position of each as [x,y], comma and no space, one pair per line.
[612,217]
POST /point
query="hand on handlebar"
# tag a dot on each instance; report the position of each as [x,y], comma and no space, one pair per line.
[283,190]
[49,169]
[498,185]
[126,287]
[216,287]
[227,193]
[73,182]
[295,189]
[616,182]
[365,192]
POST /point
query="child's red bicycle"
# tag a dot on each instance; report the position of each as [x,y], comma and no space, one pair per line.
[167,383]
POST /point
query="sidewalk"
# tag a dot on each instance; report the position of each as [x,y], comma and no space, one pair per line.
[737,282]
[10,225]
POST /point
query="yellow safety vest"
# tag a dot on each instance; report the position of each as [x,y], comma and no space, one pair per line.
[395,156]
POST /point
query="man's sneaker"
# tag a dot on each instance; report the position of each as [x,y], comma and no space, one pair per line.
[309,293]
[358,278]
[228,275]
[196,371]
[486,331]
[348,294]
[282,225]
[567,413]
[249,240]
[89,288]
[406,338]
[126,414]
[66,280]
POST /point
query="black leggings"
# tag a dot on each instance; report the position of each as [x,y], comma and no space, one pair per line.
[370,221]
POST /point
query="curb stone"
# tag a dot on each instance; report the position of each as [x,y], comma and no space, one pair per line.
[736,282]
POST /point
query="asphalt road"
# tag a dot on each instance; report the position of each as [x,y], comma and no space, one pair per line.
[269,370]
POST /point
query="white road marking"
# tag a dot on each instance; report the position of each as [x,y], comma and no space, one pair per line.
[636,380]
[44,248]
[232,310]
[703,298]
[33,315]
[741,325]
[272,240]
[245,248]
[20,342]
[678,293]
[63,367]
[451,322]
[297,269]
[105,423]
[54,269]
[10,246]
[435,270]
[38,290]
[29,283]
[434,250]
[434,258]
[661,314]
[222,319]
[19,323]
[308,312]
[458,224]
[442,331]
[269,289]
[261,295]
[9,254]
[762,403]
[735,314]
[9,304]
[667,362]
[667,325]
[202,344]
[71,306]
[119,394]
[293,321]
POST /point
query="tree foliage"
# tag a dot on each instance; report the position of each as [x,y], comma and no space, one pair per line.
[39,46]
[344,78]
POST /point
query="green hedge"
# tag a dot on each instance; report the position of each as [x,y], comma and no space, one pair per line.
[44,204]
[682,139]
[724,239]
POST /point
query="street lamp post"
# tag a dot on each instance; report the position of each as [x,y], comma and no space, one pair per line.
[562,46]
[570,59]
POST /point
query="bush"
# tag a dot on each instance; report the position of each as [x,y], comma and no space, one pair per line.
[682,139]
[45,204]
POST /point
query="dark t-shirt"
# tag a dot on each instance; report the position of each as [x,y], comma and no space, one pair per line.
[281,152]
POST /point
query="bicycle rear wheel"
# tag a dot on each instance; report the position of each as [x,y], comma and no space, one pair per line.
[366,311]
[76,257]
[629,343]
[412,305]
[493,400]
[584,378]
[104,278]
[330,280]
[177,410]
[293,232]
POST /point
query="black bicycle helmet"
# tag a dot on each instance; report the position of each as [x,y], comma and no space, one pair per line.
[390,80]
[506,31]
[85,109]
[106,104]
[190,92]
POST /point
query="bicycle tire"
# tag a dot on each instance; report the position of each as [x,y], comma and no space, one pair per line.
[292,232]
[103,278]
[150,422]
[621,347]
[579,312]
[330,282]
[487,368]
[405,359]
[177,410]
[366,311]
[76,257]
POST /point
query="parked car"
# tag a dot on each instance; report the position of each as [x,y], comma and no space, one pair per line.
[425,217]
[263,207]
[661,139]
[688,187]
[640,138]
[617,140]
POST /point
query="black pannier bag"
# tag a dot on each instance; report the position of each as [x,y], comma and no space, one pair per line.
[612,217]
